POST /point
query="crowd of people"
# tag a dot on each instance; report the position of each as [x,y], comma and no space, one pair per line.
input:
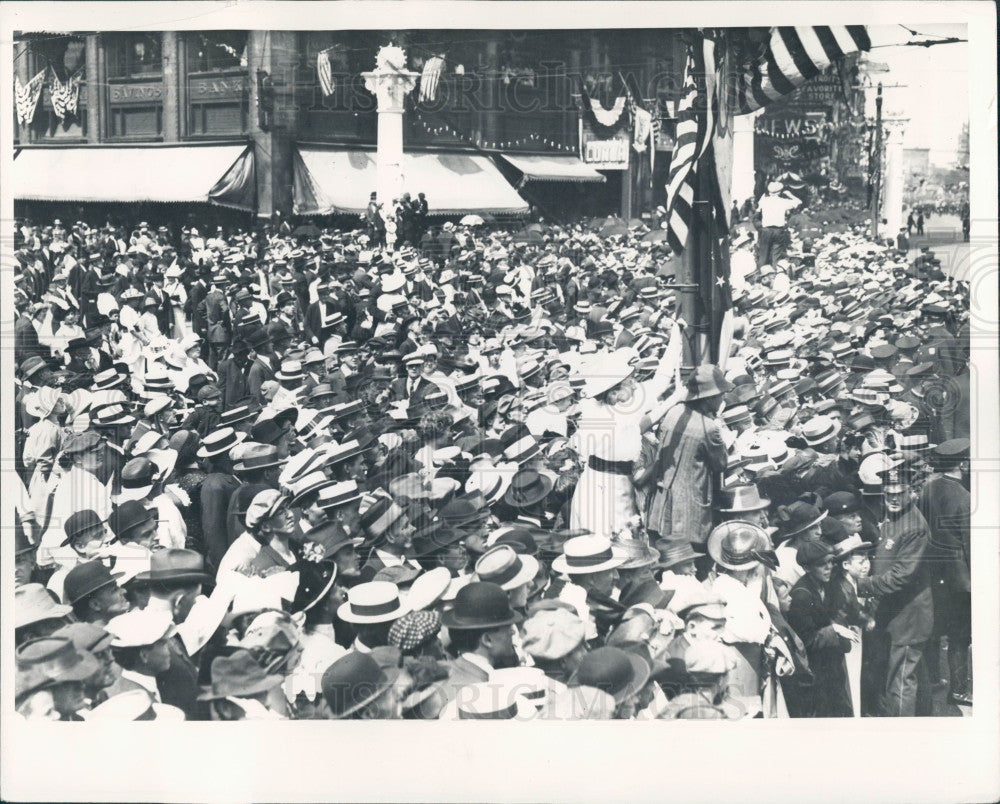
[261,476]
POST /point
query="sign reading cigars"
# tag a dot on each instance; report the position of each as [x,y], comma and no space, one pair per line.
[602,152]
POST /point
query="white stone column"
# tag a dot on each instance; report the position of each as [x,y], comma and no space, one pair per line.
[743,170]
[390,82]
[892,189]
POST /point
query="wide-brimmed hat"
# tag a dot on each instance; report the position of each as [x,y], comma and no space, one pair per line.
[503,566]
[373,602]
[742,499]
[607,371]
[617,672]
[707,380]
[427,589]
[738,545]
[48,661]
[33,603]
[220,441]
[796,517]
[132,705]
[238,675]
[480,605]
[175,567]
[820,429]
[527,488]
[674,552]
[638,553]
[258,456]
[140,627]
[583,555]
[353,681]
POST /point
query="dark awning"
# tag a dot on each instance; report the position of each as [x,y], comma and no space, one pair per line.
[552,168]
[215,174]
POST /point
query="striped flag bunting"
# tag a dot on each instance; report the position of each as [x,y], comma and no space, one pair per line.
[65,95]
[793,56]
[325,72]
[26,97]
[430,77]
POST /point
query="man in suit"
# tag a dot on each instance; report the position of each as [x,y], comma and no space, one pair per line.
[946,504]
[175,582]
[904,614]
[415,386]
[263,366]
[481,630]
[233,375]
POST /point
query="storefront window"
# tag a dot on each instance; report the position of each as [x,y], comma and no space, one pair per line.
[216,51]
[133,55]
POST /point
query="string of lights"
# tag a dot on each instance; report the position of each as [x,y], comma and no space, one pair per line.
[439,129]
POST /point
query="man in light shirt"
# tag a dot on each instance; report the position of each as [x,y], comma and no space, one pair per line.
[773,209]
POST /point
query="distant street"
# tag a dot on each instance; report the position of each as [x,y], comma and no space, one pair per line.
[943,233]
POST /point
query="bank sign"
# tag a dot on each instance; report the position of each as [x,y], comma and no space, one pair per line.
[603,152]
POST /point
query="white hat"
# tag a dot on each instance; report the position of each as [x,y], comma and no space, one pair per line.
[132,705]
[373,602]
[428,588]
[503,566]
[140,627]
[605,372]
[157,404]
[393,282]
[583,555]
[145,442]
[529,682]
[488,701]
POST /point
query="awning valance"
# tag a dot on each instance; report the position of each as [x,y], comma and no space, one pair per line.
[553,168]
[215,174]
[329,181]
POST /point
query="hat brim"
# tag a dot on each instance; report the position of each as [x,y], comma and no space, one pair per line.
[641,672]
[618,558]
[514,501]
[436,583]
[345,613]
[391,674]
[527,573]
[266,683]
[764,503]
[673,562]
[210,453]
[242,467]
[449,620]
[136,494]
[714,550]
[786,535]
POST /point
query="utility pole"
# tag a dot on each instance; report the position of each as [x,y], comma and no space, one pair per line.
[877,164]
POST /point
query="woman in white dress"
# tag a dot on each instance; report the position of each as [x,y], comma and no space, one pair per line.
[613,416]
[174,288]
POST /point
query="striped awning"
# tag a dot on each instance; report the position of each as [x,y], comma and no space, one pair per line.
[214,174]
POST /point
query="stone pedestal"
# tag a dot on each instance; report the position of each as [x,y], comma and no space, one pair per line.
[390,83]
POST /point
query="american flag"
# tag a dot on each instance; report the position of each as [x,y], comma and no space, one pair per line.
[695,123]
[793,56]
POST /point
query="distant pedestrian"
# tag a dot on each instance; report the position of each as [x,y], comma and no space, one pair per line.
[920,222]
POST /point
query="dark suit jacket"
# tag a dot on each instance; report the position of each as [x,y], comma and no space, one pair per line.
[179,684]
[216,491]
[259,373]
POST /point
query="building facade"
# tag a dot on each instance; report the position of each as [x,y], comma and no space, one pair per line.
[499,92]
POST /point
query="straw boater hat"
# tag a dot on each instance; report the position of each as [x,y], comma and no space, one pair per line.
[372,602]
[606,372]
[738,545]
[583,555]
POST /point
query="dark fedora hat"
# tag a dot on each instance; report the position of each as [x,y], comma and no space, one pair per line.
[238,675]
[174,567]
[85,579]
[618,672]
[257,338]
[353,681]
[527,488]
[128,516]
[480,605]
